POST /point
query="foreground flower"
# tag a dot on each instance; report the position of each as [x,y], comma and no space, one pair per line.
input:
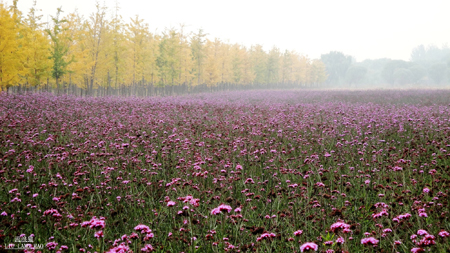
[122,248]
[265,235]
[444,233]
[94,223]
[51,245]
[221,208]
[143,228]
[339,225]
[147,248]
[369,241]
[98,234]
[309,246]
[298,232]
[422,232]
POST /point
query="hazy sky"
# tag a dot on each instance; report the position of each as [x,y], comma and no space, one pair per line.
[363,29]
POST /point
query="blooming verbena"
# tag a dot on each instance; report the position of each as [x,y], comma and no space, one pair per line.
[422,232]
[95,223]
[338,226]
[122,248]
[98,234]
[51,245]
[147,248]
[298,232]
[265,235]
[401,217]
[191,200]
[171,203]
[427,239]
[422,213]
[381,204]
[219,209]
[380,214]
[320,184]
[249,180]
[309,246]
[444,233]
[417,250]
[369,241]
[143,229]
[340,240]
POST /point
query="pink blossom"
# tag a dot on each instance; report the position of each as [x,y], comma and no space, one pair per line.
[147,248]
[265,235]
[309,246]
[298,232]
[444,233]
[98,234]
[143,228]
[51,245]
[369,241]
[122,248]
[339,225]
[422,232]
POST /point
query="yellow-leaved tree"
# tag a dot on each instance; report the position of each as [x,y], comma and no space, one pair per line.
[36,50]
[10,63]
[211,74]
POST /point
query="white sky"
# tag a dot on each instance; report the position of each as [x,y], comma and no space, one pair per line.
[361,28]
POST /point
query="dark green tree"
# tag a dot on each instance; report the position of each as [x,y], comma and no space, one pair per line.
[58,49]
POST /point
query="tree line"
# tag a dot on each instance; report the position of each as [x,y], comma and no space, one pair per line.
[104,55]
[428,66]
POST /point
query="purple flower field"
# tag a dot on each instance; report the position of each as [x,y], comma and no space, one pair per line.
[253,171]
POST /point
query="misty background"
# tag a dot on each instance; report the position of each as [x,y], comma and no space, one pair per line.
[429,66]
[173,47]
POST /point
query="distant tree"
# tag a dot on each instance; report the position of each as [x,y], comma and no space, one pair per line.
[259,62]
[211,71]
[430,54]
[390,68]
[168,60]
[402,76]
[337,65]
[198,54]
[355,74]
[318,72]
[417,73]
[438,72]
[273,66]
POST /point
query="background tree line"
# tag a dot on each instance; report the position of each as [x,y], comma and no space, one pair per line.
[428,66]
[104,55]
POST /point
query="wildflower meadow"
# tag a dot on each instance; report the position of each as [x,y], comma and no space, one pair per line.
[249,171]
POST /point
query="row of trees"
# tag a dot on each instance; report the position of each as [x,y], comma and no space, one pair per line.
[427,66]
[103,55]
